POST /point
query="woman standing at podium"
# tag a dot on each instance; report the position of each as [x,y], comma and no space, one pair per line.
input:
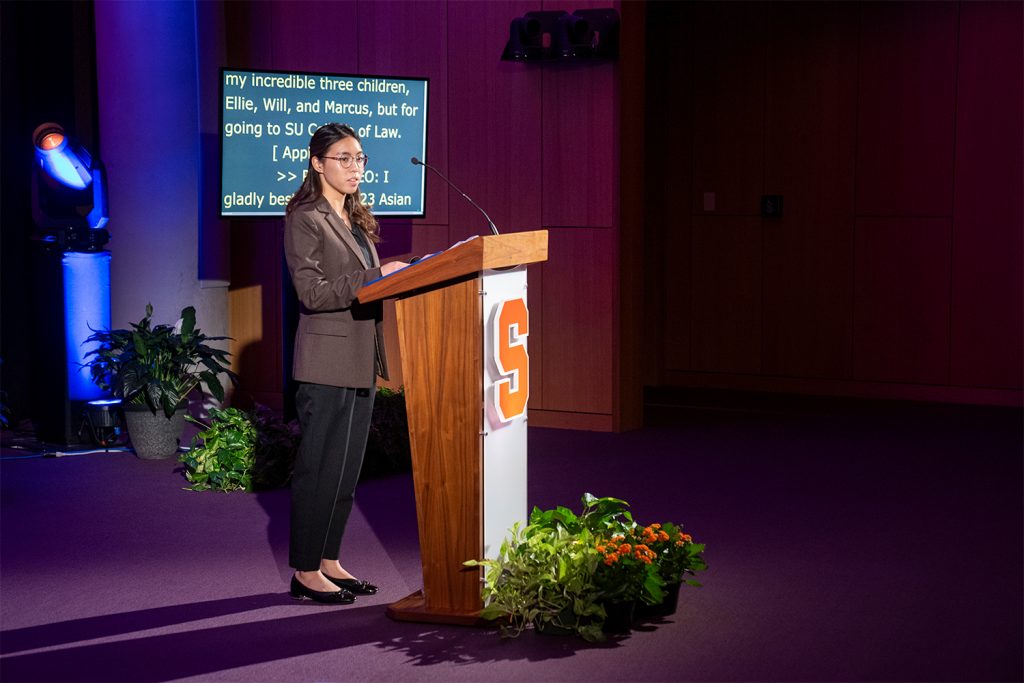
[329,241]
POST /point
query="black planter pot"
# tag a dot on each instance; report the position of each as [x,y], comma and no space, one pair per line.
[620,617]
[154,436]
[664,608]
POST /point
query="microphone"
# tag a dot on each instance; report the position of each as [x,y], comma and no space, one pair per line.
[417,162]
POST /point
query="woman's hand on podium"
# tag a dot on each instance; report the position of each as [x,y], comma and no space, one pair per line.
[391,267]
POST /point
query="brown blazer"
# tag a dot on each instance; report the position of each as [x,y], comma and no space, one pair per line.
[339,340]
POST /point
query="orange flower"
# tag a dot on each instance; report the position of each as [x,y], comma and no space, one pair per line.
[600,549]
[644,553]
[662,536]
[625,548]
[679,542]
[687,537]
[655,526]
[611,559]
[618,539]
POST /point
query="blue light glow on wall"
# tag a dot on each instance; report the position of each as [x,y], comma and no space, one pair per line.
[86,305]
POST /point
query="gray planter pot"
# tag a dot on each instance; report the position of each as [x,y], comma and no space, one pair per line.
[156,436]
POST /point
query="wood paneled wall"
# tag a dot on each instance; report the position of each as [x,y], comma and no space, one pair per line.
[537,146]
[893,131]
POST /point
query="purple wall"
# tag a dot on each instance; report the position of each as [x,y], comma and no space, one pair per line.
[893,131]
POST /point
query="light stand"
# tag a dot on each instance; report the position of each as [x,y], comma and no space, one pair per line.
[72,270]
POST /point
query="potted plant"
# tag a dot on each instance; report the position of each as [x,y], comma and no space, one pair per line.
[152,369]
[626,575]
[548,572]
[583,574]
[222,455]
[676,556]
[543,577]
[241,450]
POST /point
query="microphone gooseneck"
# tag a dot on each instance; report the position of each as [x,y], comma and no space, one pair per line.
[417,162]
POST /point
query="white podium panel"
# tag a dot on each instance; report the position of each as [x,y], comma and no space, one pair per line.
[506,392]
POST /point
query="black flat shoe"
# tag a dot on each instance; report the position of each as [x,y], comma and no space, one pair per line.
[354,586]
[300,592]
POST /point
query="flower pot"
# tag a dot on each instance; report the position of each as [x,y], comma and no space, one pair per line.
[620,616]
[154,436]
[664,608]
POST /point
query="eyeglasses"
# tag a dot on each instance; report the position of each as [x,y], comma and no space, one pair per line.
[346,160]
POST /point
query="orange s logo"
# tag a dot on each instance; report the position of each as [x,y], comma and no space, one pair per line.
[511,327]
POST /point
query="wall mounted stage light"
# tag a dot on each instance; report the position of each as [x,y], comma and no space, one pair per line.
[603,25]
[530,38]
[560,36]
[574,38]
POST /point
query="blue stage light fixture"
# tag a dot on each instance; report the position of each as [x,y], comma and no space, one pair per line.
[104,420]
[60,162]
[69,191]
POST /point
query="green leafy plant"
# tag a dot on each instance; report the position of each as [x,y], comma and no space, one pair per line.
[222,455]
[599,515]
[158,365]
[620,576]
[543,576]
[546,573]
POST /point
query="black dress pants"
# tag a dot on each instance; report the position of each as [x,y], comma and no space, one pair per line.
[335,423]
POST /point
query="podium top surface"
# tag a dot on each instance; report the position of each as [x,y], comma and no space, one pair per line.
[471,256]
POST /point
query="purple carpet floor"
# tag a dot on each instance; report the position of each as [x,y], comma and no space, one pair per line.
[873,545]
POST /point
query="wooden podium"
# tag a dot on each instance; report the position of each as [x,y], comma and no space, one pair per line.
[462,326]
